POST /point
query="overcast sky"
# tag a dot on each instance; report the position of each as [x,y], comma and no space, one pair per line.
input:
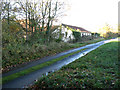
[92,14]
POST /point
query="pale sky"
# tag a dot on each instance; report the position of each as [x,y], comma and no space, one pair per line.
[92,14]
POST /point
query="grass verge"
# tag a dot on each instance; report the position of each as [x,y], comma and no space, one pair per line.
[79,44]
[20,55]
[98,69]
[34,68]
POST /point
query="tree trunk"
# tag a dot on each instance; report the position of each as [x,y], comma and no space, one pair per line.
[42,25]
[29,20]
[26,20]
[8,16]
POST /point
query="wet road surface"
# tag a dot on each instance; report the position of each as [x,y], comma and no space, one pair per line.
[29,79]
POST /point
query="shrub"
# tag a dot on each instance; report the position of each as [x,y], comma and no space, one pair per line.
[77,36]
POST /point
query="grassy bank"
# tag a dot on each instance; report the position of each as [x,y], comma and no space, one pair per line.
[34,68]
[98,69]
[18,55]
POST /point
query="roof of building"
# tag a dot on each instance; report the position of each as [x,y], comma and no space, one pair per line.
[75,27]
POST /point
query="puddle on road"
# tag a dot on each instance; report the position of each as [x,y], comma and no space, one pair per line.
[72,58]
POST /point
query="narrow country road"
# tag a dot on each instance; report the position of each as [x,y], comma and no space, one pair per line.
[29,79]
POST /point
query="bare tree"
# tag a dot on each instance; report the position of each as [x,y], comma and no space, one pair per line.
[26,16]
[36,15]
[53,12]
[6,11]
[44,13]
